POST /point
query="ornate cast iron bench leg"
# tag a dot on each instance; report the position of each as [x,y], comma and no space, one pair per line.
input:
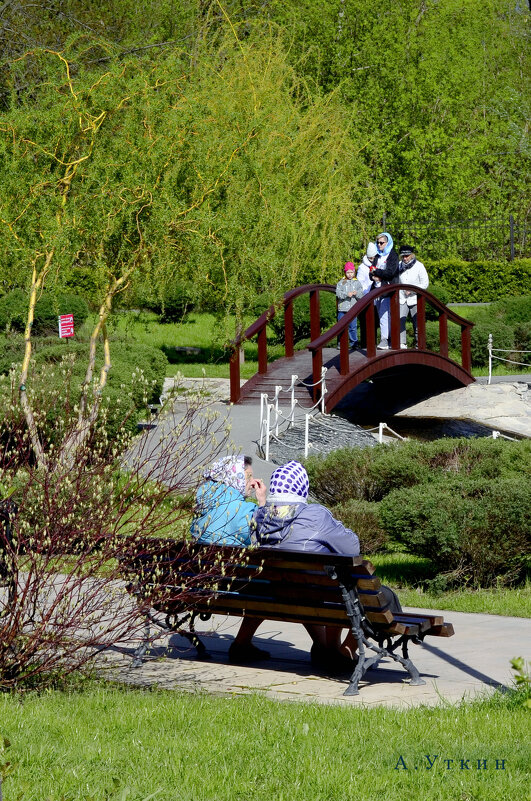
[354,612]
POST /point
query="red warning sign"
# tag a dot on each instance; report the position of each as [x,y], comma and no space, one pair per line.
[66,325]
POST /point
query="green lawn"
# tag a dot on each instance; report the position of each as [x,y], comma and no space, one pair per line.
[135,745]
[405,572]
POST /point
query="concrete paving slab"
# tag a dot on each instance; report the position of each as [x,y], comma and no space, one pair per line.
[471,663]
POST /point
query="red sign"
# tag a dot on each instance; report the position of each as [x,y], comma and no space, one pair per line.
[66,325]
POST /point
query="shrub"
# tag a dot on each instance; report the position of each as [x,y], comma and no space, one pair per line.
[479,530]
[361,473]
[14,311]
[301,317]
[480,281]
[502,337]
[179,299]
[512,310]
[363,518]
[441,293]
[372,473]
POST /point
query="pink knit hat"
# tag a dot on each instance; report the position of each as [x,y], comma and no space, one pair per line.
[350,266]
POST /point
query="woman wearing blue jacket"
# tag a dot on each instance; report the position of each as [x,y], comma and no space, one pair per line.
[222,513]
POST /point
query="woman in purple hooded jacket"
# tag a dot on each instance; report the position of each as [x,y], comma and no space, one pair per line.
[285,520]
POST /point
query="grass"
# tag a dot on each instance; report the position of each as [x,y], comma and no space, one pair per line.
[405,572]
[114,743]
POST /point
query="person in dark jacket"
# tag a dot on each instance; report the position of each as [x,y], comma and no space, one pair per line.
[288,522]
[385,272]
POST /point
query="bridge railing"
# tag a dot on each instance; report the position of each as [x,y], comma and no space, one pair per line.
[259,329]
[365,310]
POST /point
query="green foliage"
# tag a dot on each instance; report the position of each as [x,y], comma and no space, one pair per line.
[14,311]
[441,293]
[480,281]
[59,366]
[502,337]
[478,530]
[363,518]
[522,680]
[460,502]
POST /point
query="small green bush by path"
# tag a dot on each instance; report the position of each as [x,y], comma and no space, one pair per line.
[462,503]
[480,530]
[363,518]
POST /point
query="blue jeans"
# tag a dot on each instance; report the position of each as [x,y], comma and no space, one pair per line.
[352,329]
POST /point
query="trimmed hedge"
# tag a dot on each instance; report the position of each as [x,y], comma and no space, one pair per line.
[480,281]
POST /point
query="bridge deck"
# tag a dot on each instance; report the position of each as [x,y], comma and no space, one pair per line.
[280,371]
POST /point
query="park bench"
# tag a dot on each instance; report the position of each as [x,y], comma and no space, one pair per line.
[184,581]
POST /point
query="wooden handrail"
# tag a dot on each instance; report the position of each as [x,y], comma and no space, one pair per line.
[259,328]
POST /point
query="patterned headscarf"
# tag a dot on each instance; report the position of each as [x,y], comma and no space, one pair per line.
[229,470]
[289,484]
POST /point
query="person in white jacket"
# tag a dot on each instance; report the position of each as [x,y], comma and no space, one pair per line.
[410,271]
[364,268]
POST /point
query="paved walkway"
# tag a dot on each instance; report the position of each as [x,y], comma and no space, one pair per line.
[471,663]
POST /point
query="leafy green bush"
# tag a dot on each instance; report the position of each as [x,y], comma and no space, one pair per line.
[363,518]
[14,311]
[136,378]
[179,299]
[480,281]
[371,473]
[301,317]
[443,294]
[502,337]
[512,310]
[479,530]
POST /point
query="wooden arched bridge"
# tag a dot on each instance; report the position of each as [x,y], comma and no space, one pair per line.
[345,369]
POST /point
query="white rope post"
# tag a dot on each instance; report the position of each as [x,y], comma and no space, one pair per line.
[306,427]
[263,406]
[268,430]
[293,401]
[323,389]
[495,434]
[490,358]
[278,390]
[380,432]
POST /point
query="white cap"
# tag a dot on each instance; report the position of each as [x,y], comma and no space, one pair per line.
[372,250]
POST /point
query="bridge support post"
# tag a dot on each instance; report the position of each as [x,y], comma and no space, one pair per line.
[235,376]
[262,351]
[315,316]
[443,334]
[395,319]
[421,322]
[370,331]
[317,367]
[343,352]
[288,329]
[466,357]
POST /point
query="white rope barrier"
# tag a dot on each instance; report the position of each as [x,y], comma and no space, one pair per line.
[267,408]
[492,356]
